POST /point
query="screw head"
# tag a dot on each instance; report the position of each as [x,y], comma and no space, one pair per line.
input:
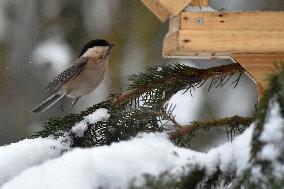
[199,21]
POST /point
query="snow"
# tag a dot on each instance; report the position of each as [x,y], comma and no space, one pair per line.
[199,9]
[17,157]
[115,166]
[232,156]
[79,128]
[54,52]
[99,115]
[107,166]
[185,106]
[272,134]
[38,163]
[159,69]
[273,139]
[269,152]
[272,130]
[273,146]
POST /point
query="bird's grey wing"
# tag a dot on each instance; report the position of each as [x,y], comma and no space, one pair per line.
[70,73]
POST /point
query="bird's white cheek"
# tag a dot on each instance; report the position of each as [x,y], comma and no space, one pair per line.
[91,53]
[96,52]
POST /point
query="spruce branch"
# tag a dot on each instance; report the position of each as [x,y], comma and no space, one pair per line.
[170,75]
[234,121]
[131,112]
[261,173]
[195,178]
[231,123]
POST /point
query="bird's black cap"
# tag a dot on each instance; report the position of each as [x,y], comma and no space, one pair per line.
[95,43]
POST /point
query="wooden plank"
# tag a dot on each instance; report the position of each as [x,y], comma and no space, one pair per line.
[172,49]
[170,44]
[157,9]
[231,41]
[163,9]
[175,6]
[223,43]
[237,21]
[241,32]
[199,3]
[259,66]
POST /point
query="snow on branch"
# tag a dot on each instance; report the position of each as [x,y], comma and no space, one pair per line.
[120,164]
[99,115]
[254,159]
[17,157]
[267,151]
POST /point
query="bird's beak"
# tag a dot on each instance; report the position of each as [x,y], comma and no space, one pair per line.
[111,45]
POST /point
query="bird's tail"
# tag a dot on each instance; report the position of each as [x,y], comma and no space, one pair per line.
[47,103]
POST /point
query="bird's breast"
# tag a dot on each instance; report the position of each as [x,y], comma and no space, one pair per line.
[89,79]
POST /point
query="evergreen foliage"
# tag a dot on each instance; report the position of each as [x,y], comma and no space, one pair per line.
[141,107]
[144,104]
[268,176]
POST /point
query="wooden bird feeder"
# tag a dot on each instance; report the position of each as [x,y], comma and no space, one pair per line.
[255,39]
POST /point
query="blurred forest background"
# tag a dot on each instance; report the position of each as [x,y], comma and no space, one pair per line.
[40,38]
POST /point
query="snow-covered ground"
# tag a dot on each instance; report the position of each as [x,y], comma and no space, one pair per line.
[38,163]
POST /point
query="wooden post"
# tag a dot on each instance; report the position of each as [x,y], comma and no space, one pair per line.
[259,66]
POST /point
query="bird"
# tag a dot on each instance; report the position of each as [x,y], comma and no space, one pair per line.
[80,78]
